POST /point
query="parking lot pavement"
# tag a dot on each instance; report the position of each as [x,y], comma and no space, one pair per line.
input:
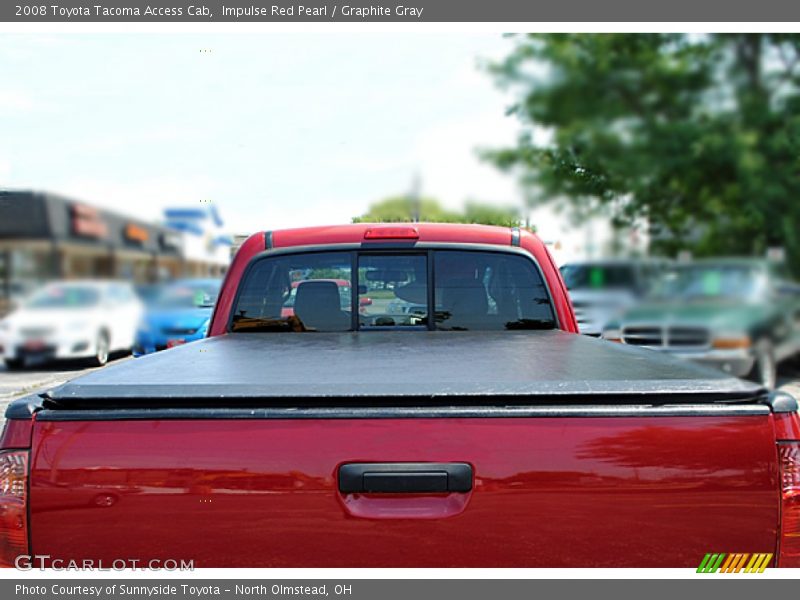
[14,384]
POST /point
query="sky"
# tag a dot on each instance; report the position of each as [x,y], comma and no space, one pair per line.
[277,130]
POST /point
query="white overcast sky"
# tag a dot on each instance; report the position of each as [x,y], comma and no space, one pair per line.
[278,130]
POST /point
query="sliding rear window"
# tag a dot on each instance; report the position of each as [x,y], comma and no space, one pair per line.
[400,290]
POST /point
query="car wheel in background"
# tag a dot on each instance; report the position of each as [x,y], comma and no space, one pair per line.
[14,364]
[100,357]
[765,370]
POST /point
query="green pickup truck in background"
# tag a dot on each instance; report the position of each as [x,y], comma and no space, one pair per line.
[739,315]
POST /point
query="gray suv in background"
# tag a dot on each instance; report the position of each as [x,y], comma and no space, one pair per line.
[601,289]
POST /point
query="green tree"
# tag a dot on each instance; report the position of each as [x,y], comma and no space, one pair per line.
[401,209]
[699,135]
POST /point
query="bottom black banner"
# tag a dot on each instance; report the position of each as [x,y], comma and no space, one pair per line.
[390,589]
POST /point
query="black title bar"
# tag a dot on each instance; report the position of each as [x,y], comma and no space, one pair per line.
[414,11]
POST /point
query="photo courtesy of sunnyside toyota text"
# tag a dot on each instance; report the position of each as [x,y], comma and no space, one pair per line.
[386,300]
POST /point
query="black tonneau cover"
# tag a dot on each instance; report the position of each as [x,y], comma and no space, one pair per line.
[279,369]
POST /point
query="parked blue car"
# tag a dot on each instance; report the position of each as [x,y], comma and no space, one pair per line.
[178,314]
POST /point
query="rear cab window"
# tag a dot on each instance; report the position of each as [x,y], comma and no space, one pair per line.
[450,290]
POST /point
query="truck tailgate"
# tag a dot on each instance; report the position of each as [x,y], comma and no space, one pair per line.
[620,486]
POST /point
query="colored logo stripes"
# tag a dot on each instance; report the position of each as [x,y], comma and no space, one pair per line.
[733,563]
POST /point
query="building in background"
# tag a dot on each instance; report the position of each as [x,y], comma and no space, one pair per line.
[238,240]
[592,238]
[45,236]
[206,246]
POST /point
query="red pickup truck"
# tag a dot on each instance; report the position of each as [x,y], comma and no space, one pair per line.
[455,421]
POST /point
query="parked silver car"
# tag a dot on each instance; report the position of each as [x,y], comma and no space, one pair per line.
[601,289]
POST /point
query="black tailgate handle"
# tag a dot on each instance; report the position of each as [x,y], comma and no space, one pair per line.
[405,478]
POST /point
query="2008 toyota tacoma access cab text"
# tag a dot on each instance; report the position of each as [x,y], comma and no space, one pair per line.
[436,409]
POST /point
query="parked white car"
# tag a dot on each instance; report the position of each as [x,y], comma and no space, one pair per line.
[71,320]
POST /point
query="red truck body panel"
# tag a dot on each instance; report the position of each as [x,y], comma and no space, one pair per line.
[583,453]
[548,492]
[428,233]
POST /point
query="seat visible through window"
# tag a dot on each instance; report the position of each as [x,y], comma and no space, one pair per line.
[465,301]
[318,306]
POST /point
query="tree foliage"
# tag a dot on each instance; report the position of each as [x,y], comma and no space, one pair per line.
[699,135]
[402,209]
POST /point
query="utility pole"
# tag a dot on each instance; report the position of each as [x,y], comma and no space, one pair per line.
[414,196]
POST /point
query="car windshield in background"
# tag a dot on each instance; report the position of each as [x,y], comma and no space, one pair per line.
[65,296]
[598,276]
[148,293]
[711,282]
[187,296]
[474,290]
